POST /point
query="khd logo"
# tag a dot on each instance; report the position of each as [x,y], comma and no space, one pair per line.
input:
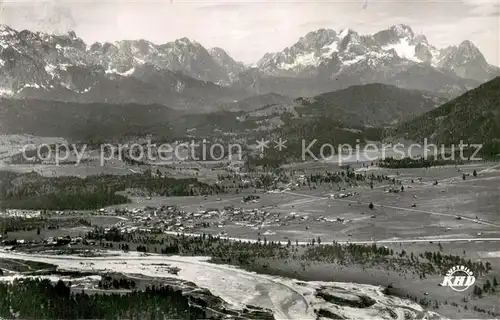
[459,278]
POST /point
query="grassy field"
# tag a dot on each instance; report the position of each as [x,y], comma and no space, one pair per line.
[393,216]
[79,231]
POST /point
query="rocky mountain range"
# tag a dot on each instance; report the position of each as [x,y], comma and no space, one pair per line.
[396,45]
[183,74]
[394,56]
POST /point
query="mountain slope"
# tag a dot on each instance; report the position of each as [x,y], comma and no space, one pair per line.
[372,104]
[354,115]
[145,85]
[84,121]
[256,102]
[231,67]
[474,117]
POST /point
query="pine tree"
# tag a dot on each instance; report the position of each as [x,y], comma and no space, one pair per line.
[477,291]
[486,286]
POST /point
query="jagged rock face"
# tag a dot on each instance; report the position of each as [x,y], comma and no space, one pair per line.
[228,64]
[308,51]
[182,55]
[467,61]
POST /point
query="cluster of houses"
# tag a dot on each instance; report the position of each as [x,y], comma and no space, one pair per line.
[173,219]
[14,213]
[167,218]
[63,240]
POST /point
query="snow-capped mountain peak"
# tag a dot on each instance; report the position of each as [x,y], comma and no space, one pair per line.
[317,39]
[403,31]
[5,30]
[347,48]
[469,49]
[467,61]
[420,38]
[310,51]
[186,42]
[47,59]
[344,33]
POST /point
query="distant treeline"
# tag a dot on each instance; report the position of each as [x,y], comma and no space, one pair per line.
[32,191]
[254,255]
[13,224]
[408,162]
[39,299]
[310,139]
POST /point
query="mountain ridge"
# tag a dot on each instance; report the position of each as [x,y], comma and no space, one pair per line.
[63,67]
[369,105]
[396,42]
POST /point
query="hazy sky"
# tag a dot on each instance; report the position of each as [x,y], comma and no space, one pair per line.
[248,29]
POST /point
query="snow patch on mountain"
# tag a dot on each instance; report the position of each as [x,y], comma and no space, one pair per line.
[330,49]
[51,69]
[343,33]
[31,85]
[127,73]
[404,50]
[353,60]
[309,59]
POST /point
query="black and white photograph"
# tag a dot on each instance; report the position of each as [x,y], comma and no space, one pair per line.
[249,159]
